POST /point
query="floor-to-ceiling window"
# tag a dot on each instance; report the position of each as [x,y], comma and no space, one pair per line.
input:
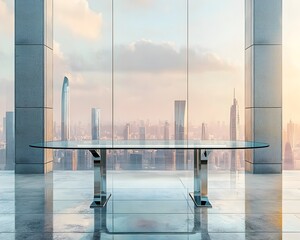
[130,62]
[7,85]
[82,54]
[291,85]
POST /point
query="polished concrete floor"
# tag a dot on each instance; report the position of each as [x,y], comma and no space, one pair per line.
[149,205]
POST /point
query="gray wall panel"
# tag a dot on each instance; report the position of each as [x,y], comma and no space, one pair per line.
[267,22]
[267,76]
[29,21]
[29,76]
[263,84]
[33,84]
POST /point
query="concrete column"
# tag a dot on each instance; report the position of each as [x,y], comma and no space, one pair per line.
[33,84]
[263,86]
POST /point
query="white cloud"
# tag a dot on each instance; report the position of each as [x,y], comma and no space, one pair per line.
[6,18]
[152,57]
[140,2]
[62,67]
[78,17]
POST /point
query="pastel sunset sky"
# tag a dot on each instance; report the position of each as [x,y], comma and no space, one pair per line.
[161,50]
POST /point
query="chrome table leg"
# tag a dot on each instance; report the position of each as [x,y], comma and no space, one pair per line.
[199,195]
[100,195]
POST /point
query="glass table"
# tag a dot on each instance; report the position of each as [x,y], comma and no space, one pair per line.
[201,151]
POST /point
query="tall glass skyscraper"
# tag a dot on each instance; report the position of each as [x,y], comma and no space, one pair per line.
[180,131]
[180,120]
[126,134]
[65,111]
[234,130]
[234,120]
[95,124]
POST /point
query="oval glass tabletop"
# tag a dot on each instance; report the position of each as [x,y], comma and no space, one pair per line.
[149,144]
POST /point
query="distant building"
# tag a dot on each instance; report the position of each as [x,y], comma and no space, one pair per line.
[291,133]
[288,162]
[126,133]
[142,133]
[204,135]
[166,131]
[95,124]
[180,120]
[126,136]
[65,111]
[180,132]
[10,140]
[234,130]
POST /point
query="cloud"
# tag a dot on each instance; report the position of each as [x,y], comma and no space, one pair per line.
[61,68]
[6,18]
[152,57]
[77,17]
[139,2]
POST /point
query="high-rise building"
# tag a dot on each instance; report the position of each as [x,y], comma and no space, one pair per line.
[166,131]
[180,120]
[234,120]
[142,133]
[234,130]
[288,161]
[65,111]
[290,133]
[180,132]
[10,140]
[95,124]
[127,131]
[204,135]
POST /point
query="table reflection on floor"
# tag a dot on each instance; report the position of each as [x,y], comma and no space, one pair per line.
[149,205]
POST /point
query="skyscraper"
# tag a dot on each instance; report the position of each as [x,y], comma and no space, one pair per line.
[166,131]
[289,147]
[10,140]
[95,124]
[142,132]
[65,111]
[290,133]
[127,131]
[180,120]
[234,129]
[180,131]
[204,132]
[288,161]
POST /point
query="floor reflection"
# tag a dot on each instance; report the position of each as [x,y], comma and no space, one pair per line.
[149,205]
[263,205]
[33,205]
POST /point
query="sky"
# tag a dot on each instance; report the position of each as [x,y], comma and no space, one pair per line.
[152,41]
